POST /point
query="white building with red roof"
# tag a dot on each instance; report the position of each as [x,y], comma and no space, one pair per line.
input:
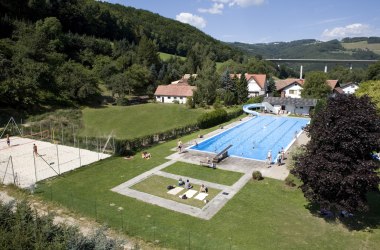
[177,91]
[290,87]
[256,83]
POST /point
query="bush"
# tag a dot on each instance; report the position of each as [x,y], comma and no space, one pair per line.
[256,99]
[289,181]
[256,175]
[212,118]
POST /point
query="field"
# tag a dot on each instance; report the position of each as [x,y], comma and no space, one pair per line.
[375,47]
[263,215]
[138,120]
[166,56]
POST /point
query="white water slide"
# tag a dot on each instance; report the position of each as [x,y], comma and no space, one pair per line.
[267,106]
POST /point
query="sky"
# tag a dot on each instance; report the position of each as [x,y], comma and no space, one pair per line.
[264,21]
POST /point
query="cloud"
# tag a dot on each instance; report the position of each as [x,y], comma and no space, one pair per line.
[191,19]
[355,29]
[241,3]
[215,9]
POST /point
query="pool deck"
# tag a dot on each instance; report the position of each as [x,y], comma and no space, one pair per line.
[245,166]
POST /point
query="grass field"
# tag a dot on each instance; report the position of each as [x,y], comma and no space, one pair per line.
[166,56]
[375,47]
[203,173]
[138,120]
[156,185]
[263,215]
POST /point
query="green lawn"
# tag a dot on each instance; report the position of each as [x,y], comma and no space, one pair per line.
[156,185]
[166,56]
[263,215]
[204,173]
[138,120]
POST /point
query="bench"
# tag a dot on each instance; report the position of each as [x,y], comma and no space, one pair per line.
[207,164]
[221,155]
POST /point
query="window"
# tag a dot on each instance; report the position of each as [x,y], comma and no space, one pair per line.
[169,97]
[158,96]
[292,92]
[181,98]
[175,97]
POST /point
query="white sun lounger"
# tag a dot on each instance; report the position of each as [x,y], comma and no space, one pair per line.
[201,196]
[190,193]
[175,191]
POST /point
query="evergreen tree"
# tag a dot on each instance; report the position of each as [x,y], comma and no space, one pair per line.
[242,88]
[207,84]
[337,169]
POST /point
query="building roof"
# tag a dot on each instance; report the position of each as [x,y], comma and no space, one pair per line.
[281,84]
[260,79]
[175,90]
[332,83]
[185,79]
[339,90]
[291,101]
[349,84]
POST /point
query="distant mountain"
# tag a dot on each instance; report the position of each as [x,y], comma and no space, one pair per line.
[348,48]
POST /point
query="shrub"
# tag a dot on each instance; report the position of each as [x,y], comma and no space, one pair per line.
[256,175]
[256,99]
[289,181]
[212,118]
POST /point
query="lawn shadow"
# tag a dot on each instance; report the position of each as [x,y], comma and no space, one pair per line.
[359,221]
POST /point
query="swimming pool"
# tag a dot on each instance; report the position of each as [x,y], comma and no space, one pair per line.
[254,138]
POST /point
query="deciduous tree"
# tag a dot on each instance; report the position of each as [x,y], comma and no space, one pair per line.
[315,85]
[337,169]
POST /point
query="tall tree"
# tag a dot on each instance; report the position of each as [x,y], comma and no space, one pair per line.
[207,83]
[373,72]
[241,88]
[337,169]
[372,89]
[147,52]
[315,85]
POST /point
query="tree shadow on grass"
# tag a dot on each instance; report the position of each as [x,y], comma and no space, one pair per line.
[359,221]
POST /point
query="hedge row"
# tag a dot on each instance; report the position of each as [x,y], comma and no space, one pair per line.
[212,118]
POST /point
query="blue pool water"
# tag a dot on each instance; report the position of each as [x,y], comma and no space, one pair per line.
[254,138]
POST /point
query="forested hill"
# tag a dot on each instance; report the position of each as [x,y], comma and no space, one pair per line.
[114,22]
[69,53]
[348,48]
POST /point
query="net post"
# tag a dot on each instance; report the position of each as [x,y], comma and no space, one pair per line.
[59,170]
[35,168]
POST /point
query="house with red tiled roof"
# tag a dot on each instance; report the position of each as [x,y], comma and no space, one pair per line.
[256,83]
[177,91]
[290,87]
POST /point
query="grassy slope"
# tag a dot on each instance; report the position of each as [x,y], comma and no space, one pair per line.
[263,215]
[137,120]
[375,47]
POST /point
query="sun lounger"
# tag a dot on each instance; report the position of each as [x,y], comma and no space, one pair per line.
[201,196]
[190,193]
[175,191]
